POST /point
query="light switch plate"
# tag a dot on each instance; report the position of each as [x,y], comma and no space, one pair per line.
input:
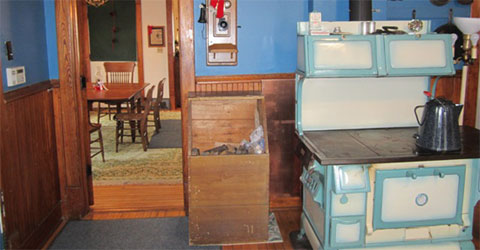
[15,76]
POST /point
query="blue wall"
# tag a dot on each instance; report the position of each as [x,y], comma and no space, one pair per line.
[266,40]
[51,36]
[24,23]
[267,37]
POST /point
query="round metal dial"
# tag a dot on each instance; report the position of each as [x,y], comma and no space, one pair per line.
[421,199]
[228,4]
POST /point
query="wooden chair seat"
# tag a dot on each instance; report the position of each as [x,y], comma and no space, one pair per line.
[138,121]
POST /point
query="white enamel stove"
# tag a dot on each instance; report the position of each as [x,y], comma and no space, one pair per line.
[365,186]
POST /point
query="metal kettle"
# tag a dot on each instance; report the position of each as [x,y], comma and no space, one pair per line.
[439,130]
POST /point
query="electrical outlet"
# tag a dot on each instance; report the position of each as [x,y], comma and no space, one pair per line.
[15,76]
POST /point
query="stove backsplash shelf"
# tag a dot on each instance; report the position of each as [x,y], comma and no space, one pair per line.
[346,80]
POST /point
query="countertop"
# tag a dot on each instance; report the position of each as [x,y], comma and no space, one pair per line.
[363,146]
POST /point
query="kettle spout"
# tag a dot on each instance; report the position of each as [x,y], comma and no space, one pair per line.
[458,110]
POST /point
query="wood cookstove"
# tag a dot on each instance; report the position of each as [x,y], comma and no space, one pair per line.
[366,185]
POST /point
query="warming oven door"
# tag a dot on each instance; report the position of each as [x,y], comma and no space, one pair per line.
[418,197]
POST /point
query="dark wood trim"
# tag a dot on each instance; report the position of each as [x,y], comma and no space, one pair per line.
[69,114]
[85,44]
[45,230]
[138,15]
[29,90]
[2,157]
[472,91]
[210,79]
[288,202]
[59,229]
[187,79]
[171,55]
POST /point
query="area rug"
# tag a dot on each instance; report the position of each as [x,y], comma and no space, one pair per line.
[153,233]
[132,165]
[170,136]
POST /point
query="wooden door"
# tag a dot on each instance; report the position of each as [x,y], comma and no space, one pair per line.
[84,76]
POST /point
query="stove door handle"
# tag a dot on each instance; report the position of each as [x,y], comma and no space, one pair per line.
[411,175]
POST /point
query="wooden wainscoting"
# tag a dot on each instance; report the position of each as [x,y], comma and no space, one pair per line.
[279,92]
[29,166]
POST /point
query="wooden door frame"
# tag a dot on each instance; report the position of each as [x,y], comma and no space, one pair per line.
[70,121]
[83,22]
[187,80]
[69,61]
[171,55]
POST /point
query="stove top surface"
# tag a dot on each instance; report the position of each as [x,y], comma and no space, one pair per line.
[362,146]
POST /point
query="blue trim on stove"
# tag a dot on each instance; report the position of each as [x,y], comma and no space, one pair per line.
[381,175]
[298,103]
[448,69]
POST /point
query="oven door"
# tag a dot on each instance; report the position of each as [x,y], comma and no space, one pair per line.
[418,197]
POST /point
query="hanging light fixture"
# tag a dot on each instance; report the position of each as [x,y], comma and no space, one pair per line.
[96,3]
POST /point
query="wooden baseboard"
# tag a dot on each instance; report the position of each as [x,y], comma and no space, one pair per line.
[54,235]
[45,232]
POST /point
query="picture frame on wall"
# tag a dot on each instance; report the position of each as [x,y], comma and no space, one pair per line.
[156,36]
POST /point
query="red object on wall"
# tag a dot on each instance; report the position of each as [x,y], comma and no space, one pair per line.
[218,4]
[221,3]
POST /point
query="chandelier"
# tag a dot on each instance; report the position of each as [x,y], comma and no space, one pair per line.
[96,3]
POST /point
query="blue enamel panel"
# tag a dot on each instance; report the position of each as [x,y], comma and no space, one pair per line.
[327,71]
[382,175]
[447,69]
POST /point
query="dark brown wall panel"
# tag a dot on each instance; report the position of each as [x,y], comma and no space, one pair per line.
[280,108]
[279,92]
[29,170]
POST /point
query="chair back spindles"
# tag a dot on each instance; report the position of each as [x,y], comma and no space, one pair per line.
[119,72]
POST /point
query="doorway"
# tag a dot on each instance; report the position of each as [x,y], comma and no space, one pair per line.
[140,196]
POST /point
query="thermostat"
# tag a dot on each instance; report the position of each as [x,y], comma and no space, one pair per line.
[15,76]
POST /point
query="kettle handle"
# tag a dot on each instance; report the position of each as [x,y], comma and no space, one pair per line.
[416,116]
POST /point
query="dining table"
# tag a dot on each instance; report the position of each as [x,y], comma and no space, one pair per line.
[117,94]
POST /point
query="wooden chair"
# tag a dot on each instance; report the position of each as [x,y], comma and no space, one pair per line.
[136,120]
[117,72]
[156,108]
[92,128]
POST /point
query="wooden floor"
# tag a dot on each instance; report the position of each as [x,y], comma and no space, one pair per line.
[155,201]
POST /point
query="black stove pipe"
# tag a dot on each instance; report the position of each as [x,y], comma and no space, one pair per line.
[360,10]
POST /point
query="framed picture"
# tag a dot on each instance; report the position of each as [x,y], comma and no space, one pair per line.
[156,36]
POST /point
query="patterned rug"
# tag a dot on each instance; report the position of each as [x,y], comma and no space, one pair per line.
[131,165]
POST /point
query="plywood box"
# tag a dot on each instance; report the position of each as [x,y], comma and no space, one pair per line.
[228,194]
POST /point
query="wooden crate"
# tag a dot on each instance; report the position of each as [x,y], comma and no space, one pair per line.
[228,194]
